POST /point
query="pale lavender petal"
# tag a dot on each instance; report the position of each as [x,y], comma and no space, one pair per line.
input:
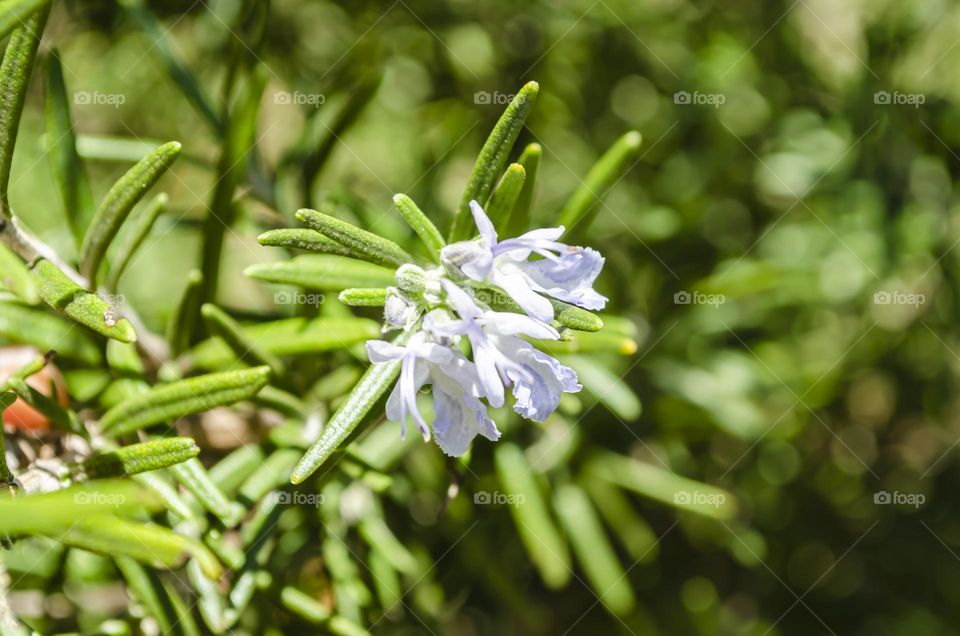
[488,234]
[537,391]
[510,324]
[453,423]
[517,286]
[413,375]
[460,415]
[569,278]
[382,351]
[485,357]
[460,301]
[433,352]
[520,248]
[471,258]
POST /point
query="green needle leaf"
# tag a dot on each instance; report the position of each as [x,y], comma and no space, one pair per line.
[271,474]
[184,78]
[664,486]
[145,542]
[180,326]
[304,606]
[593,549]
[591,343]
[493,158]
[422,225]
[607,386]
[145,586]
[196,479]
[567,315]
[135,237]
[68,170]
[304,239]
[366,244]
[505,196]
[364,296]
[231,471]
[47,331]
[15,71]
[539,533]
[6,476]
[64,295]
[583,205]
[53,512]
[62,418]
[185,397]
[14,13]
[244,347]
[15,276]
[140,458]
[377,379]
[323,272]
[118,203]
[290,337]
[520,219]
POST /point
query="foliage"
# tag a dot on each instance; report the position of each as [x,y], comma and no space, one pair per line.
[780,264]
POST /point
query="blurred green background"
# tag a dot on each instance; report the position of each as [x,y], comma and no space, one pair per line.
[796,185]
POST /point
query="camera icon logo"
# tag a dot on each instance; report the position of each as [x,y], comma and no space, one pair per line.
[682,498]
[882,497]
[881,97]
[283,97]
[681,97]
[482,97]
[482,498]
[682,298]
[882,298]
[82,97]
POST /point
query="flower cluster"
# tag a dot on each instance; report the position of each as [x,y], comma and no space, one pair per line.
[447,303]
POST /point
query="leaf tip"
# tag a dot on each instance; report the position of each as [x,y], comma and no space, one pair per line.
[633,139]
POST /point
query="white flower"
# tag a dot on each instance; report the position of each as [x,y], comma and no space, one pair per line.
[459,413]
[400,311]
[566,273]
[503,359]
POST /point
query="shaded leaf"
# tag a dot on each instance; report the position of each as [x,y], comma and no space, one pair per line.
[64,295]
[493,158]
[505,195]
[539,533]
[371,387]
[366,244]
[322,271]
[582,207]
[118,203]
[178,399]
[68,170]
[139,458]
[421,224]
